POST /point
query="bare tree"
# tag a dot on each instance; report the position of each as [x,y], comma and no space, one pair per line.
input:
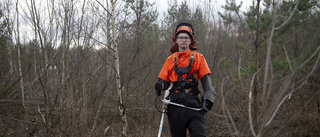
[121,106]
[19,59]
[269,110]
[255,84]
[85,64]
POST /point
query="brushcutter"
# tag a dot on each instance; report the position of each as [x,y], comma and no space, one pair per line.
[166,102]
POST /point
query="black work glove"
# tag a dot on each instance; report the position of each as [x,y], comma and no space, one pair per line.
[159,88]
[207,105]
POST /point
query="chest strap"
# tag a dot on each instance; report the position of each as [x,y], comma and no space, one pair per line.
[184,70]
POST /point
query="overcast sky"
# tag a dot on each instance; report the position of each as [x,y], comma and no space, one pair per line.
[163,5]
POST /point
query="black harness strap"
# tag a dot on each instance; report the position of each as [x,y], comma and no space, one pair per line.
[189,84]
[183,70]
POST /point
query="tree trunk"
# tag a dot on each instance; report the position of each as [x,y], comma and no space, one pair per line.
[255,86]
[115,46]
[19,59]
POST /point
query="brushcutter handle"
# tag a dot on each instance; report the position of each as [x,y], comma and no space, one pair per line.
[166,101]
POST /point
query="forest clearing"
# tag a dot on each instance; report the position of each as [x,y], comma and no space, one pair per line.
[88,67]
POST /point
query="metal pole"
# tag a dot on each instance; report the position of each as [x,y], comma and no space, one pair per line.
[164,107]
[161,123]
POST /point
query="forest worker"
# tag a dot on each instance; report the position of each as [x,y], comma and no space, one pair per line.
[184,68]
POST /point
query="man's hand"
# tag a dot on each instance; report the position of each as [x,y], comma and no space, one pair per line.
[159,88]
[207,105]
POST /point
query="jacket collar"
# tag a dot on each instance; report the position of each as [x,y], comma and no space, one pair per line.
[185,53]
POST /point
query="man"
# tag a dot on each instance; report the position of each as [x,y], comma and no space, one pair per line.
[184,68]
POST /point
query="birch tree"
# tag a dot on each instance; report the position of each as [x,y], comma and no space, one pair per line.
[19,57]
[121,106]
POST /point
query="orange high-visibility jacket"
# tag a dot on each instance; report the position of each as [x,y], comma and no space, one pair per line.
[200,66]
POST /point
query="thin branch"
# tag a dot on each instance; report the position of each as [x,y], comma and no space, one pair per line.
[271,83]
[225,108]
[267,66]
[104,8]
[297,114]
[289,94]
[42,115]
[305,62]
[95,119]
[277,109]
[294,10]
[285,51]
[98,112]
[223,103]
[250,102]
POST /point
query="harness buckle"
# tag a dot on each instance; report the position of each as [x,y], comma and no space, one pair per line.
[187,90]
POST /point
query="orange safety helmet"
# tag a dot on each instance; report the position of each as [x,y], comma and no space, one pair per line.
[186,27]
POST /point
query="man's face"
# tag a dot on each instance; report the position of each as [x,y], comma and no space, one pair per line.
[183,41]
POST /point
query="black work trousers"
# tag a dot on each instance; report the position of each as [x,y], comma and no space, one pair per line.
[181,119]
